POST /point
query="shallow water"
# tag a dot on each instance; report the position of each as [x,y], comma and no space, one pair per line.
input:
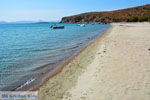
[26,50]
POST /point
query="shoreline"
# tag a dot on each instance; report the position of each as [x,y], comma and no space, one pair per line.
[35,83]
[111,67]
[60,67]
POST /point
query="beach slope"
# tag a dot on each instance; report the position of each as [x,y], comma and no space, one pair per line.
[116,66]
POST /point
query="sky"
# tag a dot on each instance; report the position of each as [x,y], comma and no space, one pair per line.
[54,10]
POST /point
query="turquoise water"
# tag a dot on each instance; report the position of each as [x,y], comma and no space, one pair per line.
[26,50]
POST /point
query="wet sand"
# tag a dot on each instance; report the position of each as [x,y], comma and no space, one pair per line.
[116,66]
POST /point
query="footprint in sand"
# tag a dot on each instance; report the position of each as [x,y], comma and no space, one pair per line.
[104,51]
[85,94]
[99,53]
[68,96]
[83,98]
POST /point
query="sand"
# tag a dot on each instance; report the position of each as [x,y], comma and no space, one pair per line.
[116,66]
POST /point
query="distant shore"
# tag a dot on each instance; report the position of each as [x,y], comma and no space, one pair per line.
[113,67]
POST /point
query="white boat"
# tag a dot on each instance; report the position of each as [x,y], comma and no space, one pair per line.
[81,25]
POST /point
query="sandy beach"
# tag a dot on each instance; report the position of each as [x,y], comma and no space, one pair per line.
[116,66]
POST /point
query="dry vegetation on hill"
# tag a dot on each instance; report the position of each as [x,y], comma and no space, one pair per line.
[140,13]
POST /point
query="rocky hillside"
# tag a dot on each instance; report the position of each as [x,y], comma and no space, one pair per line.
[122,15]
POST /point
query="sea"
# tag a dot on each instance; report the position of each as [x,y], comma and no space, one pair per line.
[30,52]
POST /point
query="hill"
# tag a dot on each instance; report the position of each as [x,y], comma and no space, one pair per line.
[140,13]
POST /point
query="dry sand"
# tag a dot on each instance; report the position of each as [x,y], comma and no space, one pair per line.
[115,66]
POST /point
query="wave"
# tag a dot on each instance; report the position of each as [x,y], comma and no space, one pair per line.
[26,83]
